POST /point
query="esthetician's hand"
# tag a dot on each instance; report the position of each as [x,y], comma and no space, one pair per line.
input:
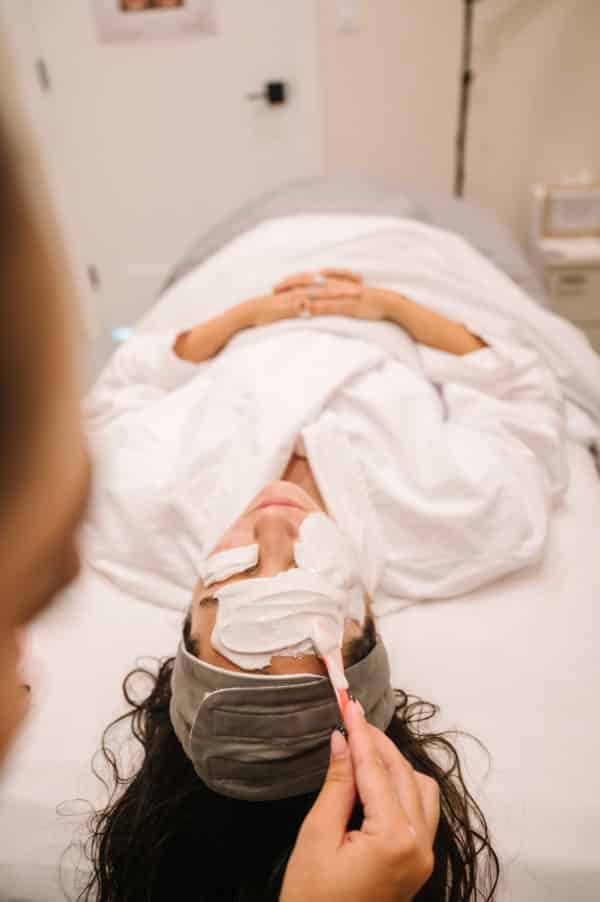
[391,856]
[337,292]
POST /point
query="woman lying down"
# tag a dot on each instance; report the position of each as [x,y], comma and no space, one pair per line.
[292,484]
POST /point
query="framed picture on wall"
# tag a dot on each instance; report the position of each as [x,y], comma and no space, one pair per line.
[152,20]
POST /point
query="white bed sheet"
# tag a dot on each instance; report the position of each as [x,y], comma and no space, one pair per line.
[80,651]
[515,663]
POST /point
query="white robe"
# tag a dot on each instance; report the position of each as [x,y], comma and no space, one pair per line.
[443,470]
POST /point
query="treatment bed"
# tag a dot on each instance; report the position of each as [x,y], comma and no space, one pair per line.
[514,663]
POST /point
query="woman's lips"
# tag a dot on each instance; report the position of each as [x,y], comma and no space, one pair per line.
[278,502]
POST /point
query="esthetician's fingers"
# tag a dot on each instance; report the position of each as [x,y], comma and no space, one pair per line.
[430,797]
[327,820]
[384,812]
[418,794]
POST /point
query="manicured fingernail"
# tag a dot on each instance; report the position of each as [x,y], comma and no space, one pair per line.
[339,745]
[356,702]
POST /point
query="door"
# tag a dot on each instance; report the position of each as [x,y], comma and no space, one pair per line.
[147,145]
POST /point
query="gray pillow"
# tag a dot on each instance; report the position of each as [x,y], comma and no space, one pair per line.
[366,195]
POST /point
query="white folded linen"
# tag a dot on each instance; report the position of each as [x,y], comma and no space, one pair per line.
[451,464]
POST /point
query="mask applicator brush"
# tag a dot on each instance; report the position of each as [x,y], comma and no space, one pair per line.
[325,639]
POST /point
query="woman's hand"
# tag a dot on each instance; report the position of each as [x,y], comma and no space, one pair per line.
[330,292]
[270,308]
[310,279]
[391,856]
[337,292]
[208,338]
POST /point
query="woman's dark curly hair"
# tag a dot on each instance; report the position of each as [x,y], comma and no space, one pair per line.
[164,833]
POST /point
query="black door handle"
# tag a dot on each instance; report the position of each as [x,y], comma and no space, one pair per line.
[273,93]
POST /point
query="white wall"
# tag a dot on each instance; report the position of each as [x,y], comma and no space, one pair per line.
[23,111]
[10,97]
[147,146]
[390,94]
[536,104]
[390,89]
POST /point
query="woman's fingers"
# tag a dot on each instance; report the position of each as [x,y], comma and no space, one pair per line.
[328,290]
[334,289]
[343,274]
[333,299]
[382,807]
[305,279]
[333,307]
[298,280]
[345,306]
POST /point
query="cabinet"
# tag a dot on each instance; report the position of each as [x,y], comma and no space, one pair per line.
[570,269]
[574,292]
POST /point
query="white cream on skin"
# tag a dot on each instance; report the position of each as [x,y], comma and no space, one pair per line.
[279,615]
[227,563]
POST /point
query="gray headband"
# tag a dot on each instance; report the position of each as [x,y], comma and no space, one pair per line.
[260,737]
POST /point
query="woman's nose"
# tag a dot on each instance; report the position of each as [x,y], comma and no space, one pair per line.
[275,535]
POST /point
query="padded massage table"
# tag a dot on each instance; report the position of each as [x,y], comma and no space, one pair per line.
[514,663]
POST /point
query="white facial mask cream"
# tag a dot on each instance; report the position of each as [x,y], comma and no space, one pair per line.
[259,618]
[227,563]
